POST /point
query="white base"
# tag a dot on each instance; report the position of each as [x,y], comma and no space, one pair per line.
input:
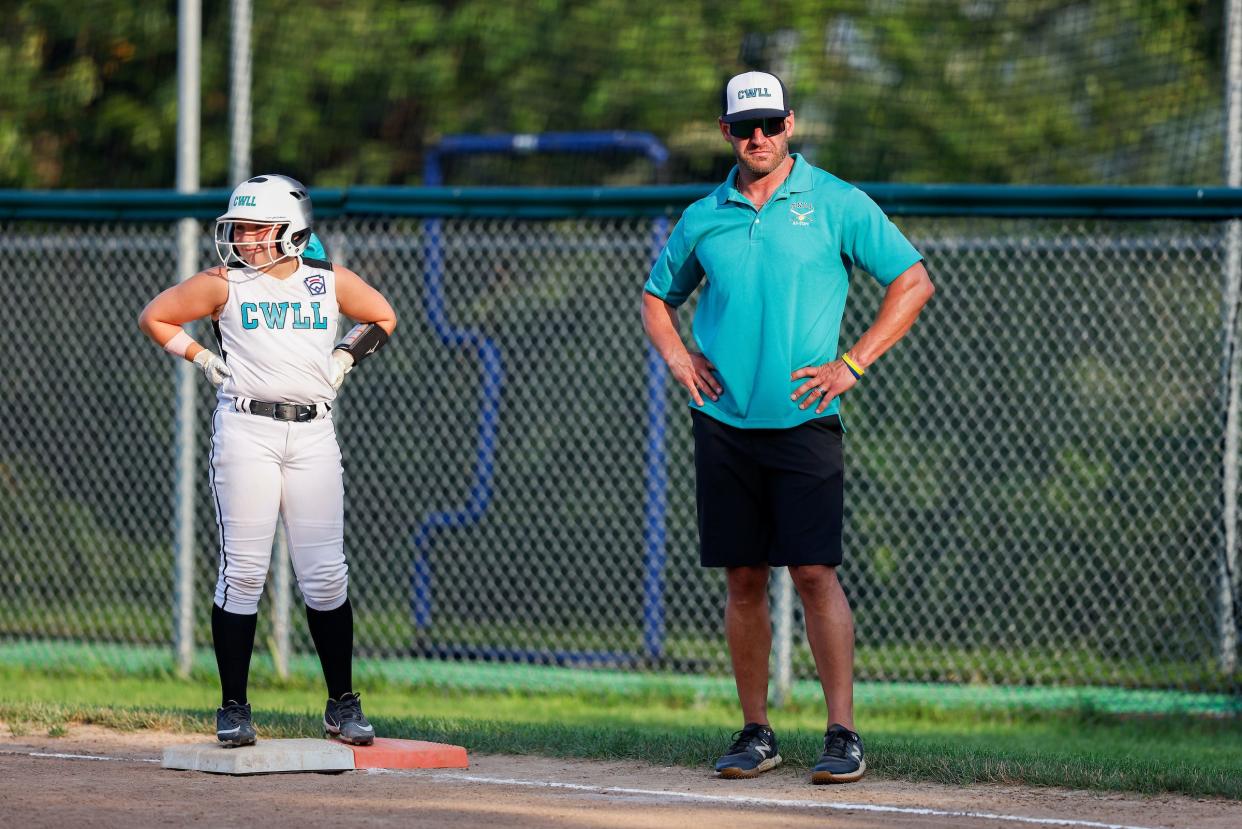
[264,757]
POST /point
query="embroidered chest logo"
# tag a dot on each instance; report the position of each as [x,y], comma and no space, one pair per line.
[315,285]
[800,214]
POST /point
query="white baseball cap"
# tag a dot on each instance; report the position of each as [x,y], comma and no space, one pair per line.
[754,95]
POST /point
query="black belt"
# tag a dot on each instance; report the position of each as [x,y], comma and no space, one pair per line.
[297,412]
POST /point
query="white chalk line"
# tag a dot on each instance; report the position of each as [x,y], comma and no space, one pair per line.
[736,800]
[59,756]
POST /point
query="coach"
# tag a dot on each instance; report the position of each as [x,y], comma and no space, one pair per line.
[774,246]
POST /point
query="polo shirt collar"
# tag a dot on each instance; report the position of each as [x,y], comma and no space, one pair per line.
[799,180]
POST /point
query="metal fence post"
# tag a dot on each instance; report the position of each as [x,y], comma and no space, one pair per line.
[782,612]
[1230,368]
[282,589]
[189,26]
[239,93]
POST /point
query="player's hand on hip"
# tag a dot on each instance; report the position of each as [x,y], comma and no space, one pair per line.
[342,364]
[825,383]
[697,374]
[214,368]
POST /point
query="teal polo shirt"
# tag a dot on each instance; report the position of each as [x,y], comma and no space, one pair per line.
[774,285]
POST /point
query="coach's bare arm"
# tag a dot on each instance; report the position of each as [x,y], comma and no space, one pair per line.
[903,300]
[690,368]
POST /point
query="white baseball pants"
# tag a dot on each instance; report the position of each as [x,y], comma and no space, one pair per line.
[262,469]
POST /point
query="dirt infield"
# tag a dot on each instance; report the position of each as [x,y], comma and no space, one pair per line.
[114,779]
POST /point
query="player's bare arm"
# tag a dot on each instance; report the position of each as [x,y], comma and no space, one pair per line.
[203,294]
[903,301]
[361,302]
[375,317]
[199,296]
[690,368]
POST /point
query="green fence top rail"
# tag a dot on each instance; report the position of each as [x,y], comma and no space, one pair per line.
[1203,203]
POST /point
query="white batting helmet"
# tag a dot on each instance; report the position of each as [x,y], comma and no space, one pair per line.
[267,200]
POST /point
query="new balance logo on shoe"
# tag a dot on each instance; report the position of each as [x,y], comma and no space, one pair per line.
[842,760]
[753,752]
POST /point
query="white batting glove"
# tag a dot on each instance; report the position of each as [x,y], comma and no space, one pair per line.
[342,364]
[213,367]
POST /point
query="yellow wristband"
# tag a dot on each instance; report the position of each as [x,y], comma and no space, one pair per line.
[854,367]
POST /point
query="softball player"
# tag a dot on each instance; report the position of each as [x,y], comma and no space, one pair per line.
[274,450]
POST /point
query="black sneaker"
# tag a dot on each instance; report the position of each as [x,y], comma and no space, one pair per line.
[842,760]
[344,718]
[753,752]
[233,725]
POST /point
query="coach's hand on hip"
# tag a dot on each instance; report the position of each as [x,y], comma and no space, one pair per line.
[825,383]
[697,374]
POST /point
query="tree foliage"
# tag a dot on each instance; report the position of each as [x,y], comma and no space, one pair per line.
[1114,91]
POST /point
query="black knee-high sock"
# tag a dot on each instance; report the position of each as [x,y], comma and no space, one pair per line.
[233,637]
[333,632]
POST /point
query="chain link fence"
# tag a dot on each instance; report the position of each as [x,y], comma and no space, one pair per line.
[1034,476]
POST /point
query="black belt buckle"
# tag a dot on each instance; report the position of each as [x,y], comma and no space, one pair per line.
[298,413]
[295,412]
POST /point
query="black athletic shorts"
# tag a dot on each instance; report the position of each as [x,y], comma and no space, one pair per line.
[769,496]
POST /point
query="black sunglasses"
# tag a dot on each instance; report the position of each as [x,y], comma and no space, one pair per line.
[770,127]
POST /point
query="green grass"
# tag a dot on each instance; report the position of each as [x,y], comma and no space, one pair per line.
[389,631]
[69,658]
[1080,748]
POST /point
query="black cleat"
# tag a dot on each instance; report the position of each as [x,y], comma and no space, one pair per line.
[343,718]
[842,760]
[233,725]
[753,752]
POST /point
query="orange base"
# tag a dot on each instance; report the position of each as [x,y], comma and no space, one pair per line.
[409,754]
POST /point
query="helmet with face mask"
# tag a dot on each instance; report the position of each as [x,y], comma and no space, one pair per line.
[267,200]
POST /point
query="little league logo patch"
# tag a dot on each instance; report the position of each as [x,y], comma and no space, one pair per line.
[800,214]
[315,285]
